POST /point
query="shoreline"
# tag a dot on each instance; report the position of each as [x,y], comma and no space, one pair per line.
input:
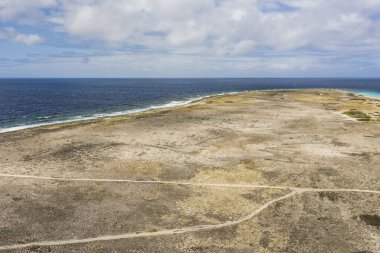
[89,119]
[76,119]
[365,93]
[169,105]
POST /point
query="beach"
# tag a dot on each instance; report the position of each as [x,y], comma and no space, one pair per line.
[261,171]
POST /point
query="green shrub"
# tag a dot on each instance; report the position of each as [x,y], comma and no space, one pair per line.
[359,115]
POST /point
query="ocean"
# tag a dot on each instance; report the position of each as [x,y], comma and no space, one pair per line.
[28,103]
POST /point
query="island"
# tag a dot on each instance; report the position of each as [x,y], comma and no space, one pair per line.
[260,171]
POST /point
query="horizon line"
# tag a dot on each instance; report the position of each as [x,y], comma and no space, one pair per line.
[3,78]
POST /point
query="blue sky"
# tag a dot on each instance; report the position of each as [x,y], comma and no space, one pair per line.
[190,38]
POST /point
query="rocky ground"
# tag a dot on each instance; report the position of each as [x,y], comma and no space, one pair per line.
[268,171]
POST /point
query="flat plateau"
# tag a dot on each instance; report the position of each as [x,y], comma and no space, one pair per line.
[265,171]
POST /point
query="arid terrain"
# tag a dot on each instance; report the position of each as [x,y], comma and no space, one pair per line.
[266,171]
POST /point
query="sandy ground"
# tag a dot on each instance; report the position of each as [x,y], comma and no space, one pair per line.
[274,171]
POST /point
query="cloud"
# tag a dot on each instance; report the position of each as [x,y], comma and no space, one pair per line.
[209,26]
[273,25]
[24,11]
[244,47]
[10,34]
[241,35]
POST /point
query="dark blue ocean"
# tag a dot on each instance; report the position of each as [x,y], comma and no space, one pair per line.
[32,102]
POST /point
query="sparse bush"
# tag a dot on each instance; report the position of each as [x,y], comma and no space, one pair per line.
[359,115]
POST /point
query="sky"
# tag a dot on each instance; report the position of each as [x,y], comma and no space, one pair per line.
[189,38]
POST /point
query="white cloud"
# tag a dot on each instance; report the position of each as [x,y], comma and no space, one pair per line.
[10,34]
[238,14]
[240,34]
[243,47]
[219,27]
[24,11]
[293,24]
